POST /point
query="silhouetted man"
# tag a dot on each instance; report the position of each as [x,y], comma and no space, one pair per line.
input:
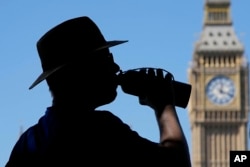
[82,75]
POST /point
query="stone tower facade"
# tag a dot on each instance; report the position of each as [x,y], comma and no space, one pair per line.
[219,102]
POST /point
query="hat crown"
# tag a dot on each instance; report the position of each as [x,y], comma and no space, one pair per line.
[72,39]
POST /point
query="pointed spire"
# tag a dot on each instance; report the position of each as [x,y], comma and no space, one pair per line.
[217,12]
[218,33]
[218,1]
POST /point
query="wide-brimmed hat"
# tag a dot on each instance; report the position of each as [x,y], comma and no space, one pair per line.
[72,40]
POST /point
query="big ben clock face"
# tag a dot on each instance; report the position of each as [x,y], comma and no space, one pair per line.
[220,90]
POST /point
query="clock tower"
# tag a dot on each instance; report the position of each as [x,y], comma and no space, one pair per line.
[219,102]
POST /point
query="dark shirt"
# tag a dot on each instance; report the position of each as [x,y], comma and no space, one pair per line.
[98,138]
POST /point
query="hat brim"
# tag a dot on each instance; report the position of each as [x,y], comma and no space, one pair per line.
[47,73]
[110,44]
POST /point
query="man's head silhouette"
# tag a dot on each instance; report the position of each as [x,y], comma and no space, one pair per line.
[71,41]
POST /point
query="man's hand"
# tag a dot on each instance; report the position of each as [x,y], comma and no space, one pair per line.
[158,89]
[150,85]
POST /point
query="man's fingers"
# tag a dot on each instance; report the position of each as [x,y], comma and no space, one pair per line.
[159,73]
[168,77]
[151,73]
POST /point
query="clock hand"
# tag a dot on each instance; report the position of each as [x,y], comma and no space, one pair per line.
[229,93]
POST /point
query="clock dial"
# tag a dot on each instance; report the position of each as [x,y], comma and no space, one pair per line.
[220,90]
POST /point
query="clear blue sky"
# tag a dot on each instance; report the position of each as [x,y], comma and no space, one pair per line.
[161,34]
